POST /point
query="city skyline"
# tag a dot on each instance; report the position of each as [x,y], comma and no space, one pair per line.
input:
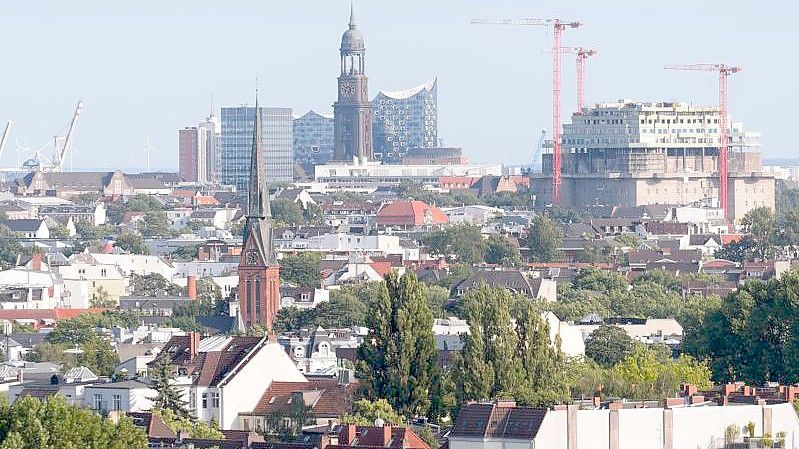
[493,99]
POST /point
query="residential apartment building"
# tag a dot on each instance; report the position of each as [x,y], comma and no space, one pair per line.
[222,377]
[314,138]
[277,144]
[403,120]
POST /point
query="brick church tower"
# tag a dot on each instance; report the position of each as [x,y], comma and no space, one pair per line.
[259,273]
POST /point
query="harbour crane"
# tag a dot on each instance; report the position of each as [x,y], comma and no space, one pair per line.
[723,71]
[4,138]
[558,26]
[59,154]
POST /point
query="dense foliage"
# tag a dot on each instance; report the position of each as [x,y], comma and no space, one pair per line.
[301,269]
[397,359]
[751,336]
[54,424]
[502,359]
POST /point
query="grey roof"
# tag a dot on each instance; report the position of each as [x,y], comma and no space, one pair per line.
[127,351]
[146,183]
[148,302]
[127,384]
[513,280]
[204,214]
[701,239]
[499,422]
[28,340]
[23,225]
[449,343]
[96,180]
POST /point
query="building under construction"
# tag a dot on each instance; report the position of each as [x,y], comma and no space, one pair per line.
[631,153]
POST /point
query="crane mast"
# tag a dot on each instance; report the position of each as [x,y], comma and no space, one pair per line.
[724,71]
[558,26]
[4,139]
[60,154]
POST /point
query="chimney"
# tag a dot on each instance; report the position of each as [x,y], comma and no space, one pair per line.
[387,434]
[689,390]
[348,432]
[194,344]
[36,262]
[191,287]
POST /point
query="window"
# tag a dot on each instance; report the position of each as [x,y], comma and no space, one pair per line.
[98,402]
[205,400]
[116,401]
[215,399]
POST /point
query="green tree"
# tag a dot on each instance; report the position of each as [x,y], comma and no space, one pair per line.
[542,363]
[153,284]
[156,224]
[59,232]
[168,397]
[500,359]
[397,359]
[301,269]
[500,250]
[196,429]
[462,243]
[544,240]
[761,224]
[185,253]
[313,214]
[366,412]
[608,345]
[9,247]
[87,231]
[287,212]
[132,243]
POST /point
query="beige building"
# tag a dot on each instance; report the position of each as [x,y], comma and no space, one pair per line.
[631,154]
[89,281]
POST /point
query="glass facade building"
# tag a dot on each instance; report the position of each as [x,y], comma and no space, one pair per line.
[405,119]
[314,138]
[236,145]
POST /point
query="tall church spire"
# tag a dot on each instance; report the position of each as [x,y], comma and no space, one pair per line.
[258,205]
[352,15]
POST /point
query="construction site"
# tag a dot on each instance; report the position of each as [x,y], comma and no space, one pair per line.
[631,153]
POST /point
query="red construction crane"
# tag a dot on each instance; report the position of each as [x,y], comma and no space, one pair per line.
[582,55]
[724,71]
[558,26]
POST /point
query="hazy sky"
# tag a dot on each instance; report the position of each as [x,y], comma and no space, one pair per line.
[150,67]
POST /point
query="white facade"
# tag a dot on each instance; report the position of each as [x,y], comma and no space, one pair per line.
[477,215]
[40,289]
[241,389]
[571,339]
[631,124]
[127,396]
[363,175]
[138,264]
[645,428]
[450,326]
[356,243]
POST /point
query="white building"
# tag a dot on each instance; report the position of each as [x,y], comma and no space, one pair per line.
[450,326]
[222,377]
[342,243]
[476,215]
[498,426]
[23,288]
[137,263]
[127,396]
[366,176]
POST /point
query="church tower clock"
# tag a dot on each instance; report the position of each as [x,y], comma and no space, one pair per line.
[353,111]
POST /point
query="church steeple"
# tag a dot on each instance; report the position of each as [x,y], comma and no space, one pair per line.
[259,273]
[258,204]
[352,15]
[258,227]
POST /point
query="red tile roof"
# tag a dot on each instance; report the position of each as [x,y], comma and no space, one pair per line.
[43,314]
[410,213]
[730,238]
[368,437]
[382,268]
[328,398]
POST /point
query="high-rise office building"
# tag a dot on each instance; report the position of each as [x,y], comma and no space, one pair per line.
[313,138]
[213,135]
[353,112]
[236,144]
[405,119]
[191,154]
